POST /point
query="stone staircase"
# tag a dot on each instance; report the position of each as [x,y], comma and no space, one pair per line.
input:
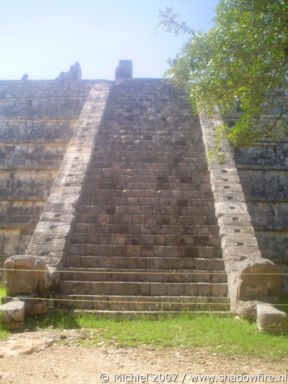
[146,238]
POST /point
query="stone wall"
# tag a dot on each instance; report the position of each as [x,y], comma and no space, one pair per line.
[37,120]
[263,171]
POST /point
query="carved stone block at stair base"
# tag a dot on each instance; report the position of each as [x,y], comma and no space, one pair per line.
[257,280]
[26,275]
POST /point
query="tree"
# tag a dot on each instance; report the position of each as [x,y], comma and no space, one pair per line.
[240,65]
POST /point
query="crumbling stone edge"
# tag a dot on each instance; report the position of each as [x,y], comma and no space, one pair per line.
[31,277]
[253,282]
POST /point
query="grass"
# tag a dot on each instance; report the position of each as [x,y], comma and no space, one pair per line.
[4,333]
[225,336]
[2,292]
[283,304]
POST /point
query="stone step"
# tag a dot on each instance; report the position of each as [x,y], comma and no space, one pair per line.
[148,146]
[88,194]
[151,219]
[141,303]
[196,230]
[146,132]
[151,141]
[108,151]
[127,178]
[144,251]
[123,210]
[112,209]
[191,167]
[128,129]
[148,315]
[148,201]
[125,157]
[145,240]
[155,185]
[199,192]
[129,132]
[150,193]
[203,177]
[143,275]
[111,145]
[149,137]
[125,130]
[137,288]
[130,262]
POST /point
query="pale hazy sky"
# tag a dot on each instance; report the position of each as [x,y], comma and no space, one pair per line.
[44,37]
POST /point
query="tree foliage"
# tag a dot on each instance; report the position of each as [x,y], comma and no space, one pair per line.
[240,65]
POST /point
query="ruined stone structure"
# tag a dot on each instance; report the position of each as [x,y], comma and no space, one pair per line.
[111,179]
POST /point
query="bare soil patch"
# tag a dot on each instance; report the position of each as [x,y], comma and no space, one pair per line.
[57,357]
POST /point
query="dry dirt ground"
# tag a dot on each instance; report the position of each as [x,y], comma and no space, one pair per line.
[57,357]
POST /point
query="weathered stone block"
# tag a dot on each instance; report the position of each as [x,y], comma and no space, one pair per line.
[234,219]
[35,306]
[270,319]
[246,309]
[64,218]
[26,275]
[12,312]
[40,247]
[238,240]
[229,196]
[228,208]
[46,229]
[235,254]
[257,280]
[237,229]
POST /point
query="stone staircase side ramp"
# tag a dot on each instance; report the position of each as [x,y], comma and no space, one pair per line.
[251,278]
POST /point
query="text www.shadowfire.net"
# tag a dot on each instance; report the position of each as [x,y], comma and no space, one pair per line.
[190,378]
